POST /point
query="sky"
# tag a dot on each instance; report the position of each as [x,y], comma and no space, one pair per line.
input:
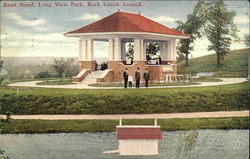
[38,30]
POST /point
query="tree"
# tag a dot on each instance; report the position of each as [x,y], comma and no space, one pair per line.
[1,65]
[180,57]
[152,49]
[62,66]
[193,26]
[220,29]
[2,75]
[247,41]
[44,74]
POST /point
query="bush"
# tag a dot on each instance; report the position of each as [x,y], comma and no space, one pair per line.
[45,74]
[58,126]
[56,101]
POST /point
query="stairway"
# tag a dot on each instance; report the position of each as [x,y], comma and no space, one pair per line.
[91,78]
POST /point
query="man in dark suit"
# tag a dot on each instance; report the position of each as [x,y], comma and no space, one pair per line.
[125,77]
[159,60]
[146,77]
[137,78]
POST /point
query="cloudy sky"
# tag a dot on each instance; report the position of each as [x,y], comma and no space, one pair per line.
[38,31]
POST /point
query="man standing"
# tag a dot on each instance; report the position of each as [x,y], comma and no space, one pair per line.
[159,60]
[130,81]
[125,77]
[96,65]
[137,78]
[146,77]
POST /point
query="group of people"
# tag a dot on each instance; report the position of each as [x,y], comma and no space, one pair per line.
[157,62]
[128,79]
[103,66]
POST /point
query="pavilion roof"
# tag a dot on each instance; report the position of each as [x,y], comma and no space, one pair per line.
[126,22]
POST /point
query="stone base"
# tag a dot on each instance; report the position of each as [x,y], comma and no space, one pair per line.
[116,69]
[174,67]
[166,62]
[81,75]
[108,77]
[156,71]
[87,65]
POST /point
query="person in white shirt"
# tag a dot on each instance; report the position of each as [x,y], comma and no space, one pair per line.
[130,81]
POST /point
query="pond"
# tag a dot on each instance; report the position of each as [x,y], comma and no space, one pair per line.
[198,144]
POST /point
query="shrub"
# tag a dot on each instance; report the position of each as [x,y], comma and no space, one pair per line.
[54,101]
[57,126]
[44,74]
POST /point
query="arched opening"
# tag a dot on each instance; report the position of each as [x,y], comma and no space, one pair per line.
[100,54]
[129,48]
[127,51]
[153,52]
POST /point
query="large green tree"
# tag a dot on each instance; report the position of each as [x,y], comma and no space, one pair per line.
[180,57]
[152,49]
[220,29]
[193,26]
[63,66]
[3,72]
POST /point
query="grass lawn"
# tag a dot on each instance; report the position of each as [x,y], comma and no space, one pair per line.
[142,84]
[56,82]
[31,79]
[70,126]
[235,64]
[162,100]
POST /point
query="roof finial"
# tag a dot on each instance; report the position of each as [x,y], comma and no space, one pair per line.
[118,10]
[139,12]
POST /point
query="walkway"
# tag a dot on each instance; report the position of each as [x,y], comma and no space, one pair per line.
[136,116]
[80,85]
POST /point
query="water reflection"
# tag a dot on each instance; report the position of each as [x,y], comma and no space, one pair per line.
[199,144]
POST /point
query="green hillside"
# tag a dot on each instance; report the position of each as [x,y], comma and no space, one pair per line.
[235,64]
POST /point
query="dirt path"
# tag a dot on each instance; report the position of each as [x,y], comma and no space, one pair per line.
[136,116]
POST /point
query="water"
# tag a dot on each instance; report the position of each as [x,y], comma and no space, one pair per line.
[199,144]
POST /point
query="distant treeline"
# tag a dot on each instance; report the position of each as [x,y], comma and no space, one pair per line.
[28,68]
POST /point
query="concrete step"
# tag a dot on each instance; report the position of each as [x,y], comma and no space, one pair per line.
[91,78]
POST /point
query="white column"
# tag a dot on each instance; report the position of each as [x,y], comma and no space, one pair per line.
[163,51]
[137,49]
[80,51]
[111,49]
[83,50]
[170,51]
[90,50]
[143,50]
[117,49]
[174,50]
